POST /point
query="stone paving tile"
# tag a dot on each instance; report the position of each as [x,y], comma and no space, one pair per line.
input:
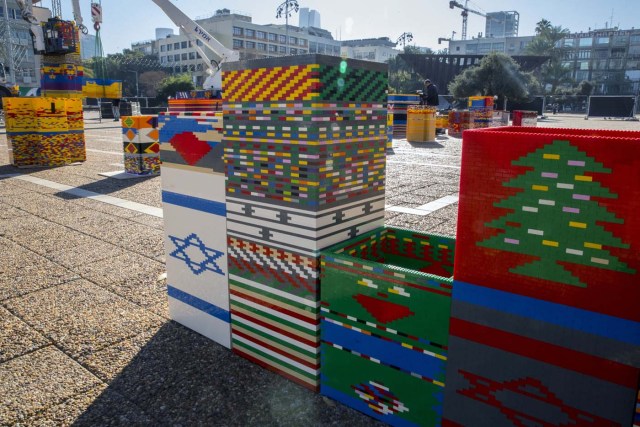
[81,317]
[99,406]
[139,238]
[36,381]
[78,255]
[50,238]
[16,337]
[91,222]
[106,208]
[177,375]
[410,221]
[449,213]
[446,228]
[149,220]
[133,277]
[22,271]
[8,212]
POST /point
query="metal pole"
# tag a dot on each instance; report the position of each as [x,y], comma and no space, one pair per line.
[9,45]
[286,26]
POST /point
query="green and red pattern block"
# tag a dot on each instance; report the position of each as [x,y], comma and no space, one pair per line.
[545,328]
[385,319]
[304,149]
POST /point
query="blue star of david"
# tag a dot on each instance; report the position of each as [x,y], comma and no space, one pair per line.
[210,255]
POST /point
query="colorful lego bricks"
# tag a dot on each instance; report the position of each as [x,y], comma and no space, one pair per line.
[525,118]
[398,104]
[62,80]
[421,123]
[305,143]
[544,324]
[44,132]
[459,121]
[194,104]
[195,222]
[140,145]
[386,298]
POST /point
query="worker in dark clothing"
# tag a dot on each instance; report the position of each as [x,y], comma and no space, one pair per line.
[430,94]
[115,108]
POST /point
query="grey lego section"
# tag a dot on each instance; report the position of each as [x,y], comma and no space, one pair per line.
[550,395]
[616,351]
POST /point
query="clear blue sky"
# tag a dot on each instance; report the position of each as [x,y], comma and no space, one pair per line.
[126,21]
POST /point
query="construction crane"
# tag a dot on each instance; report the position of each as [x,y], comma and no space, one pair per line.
[465,14]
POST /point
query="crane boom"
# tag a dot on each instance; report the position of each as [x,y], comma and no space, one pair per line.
[465,14]
[197,33]
[77,15]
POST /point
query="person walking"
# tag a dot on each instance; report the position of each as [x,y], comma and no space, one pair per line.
[115,108]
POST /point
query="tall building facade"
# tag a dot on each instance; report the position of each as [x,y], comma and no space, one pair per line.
[484,45]
[502,24]
[237,31]
[379,50]
[16,45]
[610,58]
[308,18]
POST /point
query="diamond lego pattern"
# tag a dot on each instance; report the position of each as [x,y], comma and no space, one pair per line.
[305,142]
[195,219]
[386,298]
[44,131]
[550,333]
[140,143]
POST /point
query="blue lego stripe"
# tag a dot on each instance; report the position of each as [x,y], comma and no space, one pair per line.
[360,405]
[196,203]
[388,353]
[201,305]
[570,317]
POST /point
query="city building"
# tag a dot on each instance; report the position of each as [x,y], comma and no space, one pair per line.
[88,48]
[237,31]
[502,24]
[309,18]
[16,45]
[610,58]
[485,45]
[379,50]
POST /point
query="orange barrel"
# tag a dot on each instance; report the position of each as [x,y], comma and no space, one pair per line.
[421,123]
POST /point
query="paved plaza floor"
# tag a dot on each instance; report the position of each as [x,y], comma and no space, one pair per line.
[85,337]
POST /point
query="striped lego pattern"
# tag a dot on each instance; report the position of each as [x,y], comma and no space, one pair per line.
[305,150]
[62,80]
[195,222]
[398,104]
[551,332]
[44,132]
[140,145]
[194,104]
[385,317]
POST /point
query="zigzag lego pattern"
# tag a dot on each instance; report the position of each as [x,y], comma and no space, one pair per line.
[554,321]
[305,83]
[304,149]
[140,143]
[44,132]
[395,318]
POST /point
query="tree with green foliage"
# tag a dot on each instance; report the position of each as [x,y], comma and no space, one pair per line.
[402,78]
[172,84]
[545,43]
[497,74]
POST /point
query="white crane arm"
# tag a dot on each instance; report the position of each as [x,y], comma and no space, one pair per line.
[77,16]
[196,32]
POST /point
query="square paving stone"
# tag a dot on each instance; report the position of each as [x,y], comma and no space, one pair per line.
[81,317]
[36,381]
[23,271]
[99,406]
[16,337]
[132,276]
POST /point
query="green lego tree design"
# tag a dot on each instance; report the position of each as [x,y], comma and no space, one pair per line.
[556,217]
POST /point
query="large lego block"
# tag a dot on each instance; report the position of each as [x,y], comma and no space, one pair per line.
[140,144]
[195,221]
[62,80]
[386,297]
[398,104]
[553,213]
[305,150]
[101,88]
[381,378]
[44,131]
[191,105]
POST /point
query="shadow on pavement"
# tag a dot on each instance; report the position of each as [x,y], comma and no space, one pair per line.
[181,378]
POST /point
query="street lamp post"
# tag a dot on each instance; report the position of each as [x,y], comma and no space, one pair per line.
[287,8]
[404,38]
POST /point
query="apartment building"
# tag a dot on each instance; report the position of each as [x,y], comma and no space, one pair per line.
[379,50]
